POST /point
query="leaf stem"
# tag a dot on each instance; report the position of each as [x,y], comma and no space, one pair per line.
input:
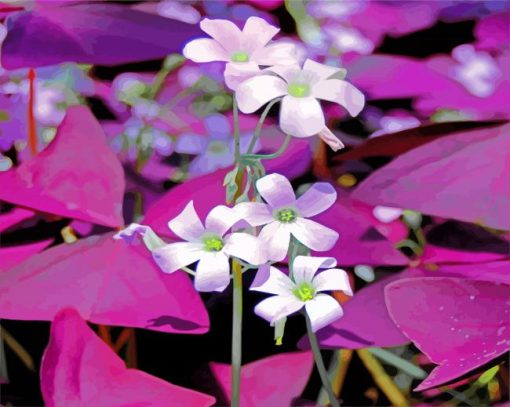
[320,363]
[258,129]
[237,331]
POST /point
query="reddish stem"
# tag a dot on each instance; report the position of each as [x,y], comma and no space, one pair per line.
[32,132]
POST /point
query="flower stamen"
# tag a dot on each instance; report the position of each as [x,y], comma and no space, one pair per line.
[213,243]
[286,215]
[240,56]
[304,292]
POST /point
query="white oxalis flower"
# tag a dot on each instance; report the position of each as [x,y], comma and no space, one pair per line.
[210,245]
[286,216]
[243,51]
[305,290]
[301,114]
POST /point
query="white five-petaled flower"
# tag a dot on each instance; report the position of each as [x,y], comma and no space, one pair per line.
[210,245]
[243,51]
[304,290]
[284,215]
[301,114]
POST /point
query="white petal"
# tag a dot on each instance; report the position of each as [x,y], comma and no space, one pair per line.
[220,219]
[257,32]
[225,32]
[187,225]
[313,235]
[275,238]
[301,117]
[331,139]
[255,213]
[323,71]
[305,267]
[245,247]
[129,234]
[276,190]
[332,280]
[278,53]
[176,255]
[238,72]
[279,306]
[257,91]
[322,311]
[205,50]
[319,197]
[213,272]
[272,281]
[341,92]
[286,71]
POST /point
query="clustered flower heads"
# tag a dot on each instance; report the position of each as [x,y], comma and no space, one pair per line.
[300,88]
[212,244]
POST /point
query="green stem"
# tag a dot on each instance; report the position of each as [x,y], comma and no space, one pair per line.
[276,154]
[237,139]
[320,363]
[258,129]
[237,331]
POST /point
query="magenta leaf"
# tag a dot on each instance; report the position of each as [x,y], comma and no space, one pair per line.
[272,381]
[99,34]
[470,166]
[108,282]
[79,369]
[459,324]
[11,256]
[76,176]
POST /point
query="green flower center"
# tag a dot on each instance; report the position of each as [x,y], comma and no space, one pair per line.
[217,147]
[304,292]
[298,90]
[213,243]
[240,57]
[286,215]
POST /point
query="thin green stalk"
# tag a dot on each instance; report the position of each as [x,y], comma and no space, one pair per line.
[320,363]
[276,154]
[258,129]
[237,331]
[237,139]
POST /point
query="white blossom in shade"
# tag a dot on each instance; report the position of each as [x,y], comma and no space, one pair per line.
[210,245]
[301,114]
[243,51]
[284,216]
[305,289]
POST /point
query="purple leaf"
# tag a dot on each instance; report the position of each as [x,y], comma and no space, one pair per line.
[79,369]
[76,176]
[450,177]
[99,34]
[10,256]
[108,282]
[459,324]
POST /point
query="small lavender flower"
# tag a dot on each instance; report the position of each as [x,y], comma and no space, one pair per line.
[286,216]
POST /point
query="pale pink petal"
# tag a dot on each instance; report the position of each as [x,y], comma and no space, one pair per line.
[313,235]
[341,92]
[255,92]
[332,280]
[278,53]
[187,225]
[225,32]
[220,219]
[205,50]
[237,73]
[319,197]
[245,247]
[301,117]
[323,71]
[322,311]
[276,190]
[330,139]
[305,267]
[213,272]
[255,213]
[286,71]
[276,239]
[257,32]
[173,256]
[134,231]
[272,281]
[279,306]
